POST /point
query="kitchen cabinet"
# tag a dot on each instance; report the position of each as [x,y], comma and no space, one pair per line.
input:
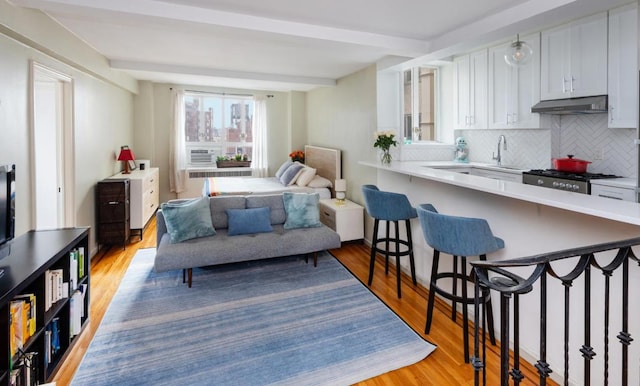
[513,90]
[470,90]
[623,67]
[613,192]
[574,59]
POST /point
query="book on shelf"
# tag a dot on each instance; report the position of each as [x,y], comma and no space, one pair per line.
[73,269]
[16,327]
[81,267]
[30,308]
[55,288]
[25,373]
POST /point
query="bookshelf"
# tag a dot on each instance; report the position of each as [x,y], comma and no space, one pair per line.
[53,266]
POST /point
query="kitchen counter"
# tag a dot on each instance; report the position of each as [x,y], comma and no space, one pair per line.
[621,211]
[626,183]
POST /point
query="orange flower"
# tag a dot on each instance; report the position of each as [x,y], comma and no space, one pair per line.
[297,154]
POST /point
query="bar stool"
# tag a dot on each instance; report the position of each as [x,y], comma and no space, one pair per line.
[390,207]
[459,237]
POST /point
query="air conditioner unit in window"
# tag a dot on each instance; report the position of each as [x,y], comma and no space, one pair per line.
[202,156]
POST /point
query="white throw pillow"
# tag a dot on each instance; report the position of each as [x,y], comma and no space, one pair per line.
[305,176]
[319,182]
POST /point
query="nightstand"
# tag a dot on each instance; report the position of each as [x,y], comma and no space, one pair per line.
[347,219]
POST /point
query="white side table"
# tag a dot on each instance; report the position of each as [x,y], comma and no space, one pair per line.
[347,219]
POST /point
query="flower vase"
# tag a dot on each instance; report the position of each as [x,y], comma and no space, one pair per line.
[386,157]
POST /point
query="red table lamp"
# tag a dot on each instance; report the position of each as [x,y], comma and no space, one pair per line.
[126,155]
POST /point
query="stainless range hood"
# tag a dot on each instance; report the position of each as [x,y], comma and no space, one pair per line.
[586,105]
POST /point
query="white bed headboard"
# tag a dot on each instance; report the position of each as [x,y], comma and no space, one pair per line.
[326,161]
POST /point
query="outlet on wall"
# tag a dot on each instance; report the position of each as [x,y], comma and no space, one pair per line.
[598,154]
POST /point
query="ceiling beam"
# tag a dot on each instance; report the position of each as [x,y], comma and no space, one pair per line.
[396,45]
[212,72]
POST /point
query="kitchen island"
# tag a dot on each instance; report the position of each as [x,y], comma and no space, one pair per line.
[532,220]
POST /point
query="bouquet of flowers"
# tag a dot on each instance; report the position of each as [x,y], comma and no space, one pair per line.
[297,155]
[384,140]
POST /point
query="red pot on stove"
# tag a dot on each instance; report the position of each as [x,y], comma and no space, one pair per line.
[570,164]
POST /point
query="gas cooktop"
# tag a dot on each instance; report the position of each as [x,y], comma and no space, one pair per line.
[568,175]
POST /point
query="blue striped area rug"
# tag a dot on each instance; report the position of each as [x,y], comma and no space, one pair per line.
[278,321]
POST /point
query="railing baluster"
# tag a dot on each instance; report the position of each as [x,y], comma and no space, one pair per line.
[607,305]
[516,374]
[509,284]
[567,286]
[587,350]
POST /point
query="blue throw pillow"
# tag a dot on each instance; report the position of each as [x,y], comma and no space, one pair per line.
[283,168]
[188,220]
[302,210]
[288,177]
[245,221]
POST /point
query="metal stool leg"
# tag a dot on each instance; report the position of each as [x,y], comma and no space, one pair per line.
[396,240]
[489,311]
[374,247]
[386,249]
[465,316]
[432,291]
[454,289]
[411,260]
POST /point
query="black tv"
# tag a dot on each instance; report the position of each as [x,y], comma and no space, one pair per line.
[7,202]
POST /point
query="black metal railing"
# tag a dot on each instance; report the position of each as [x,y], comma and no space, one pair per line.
[515,278]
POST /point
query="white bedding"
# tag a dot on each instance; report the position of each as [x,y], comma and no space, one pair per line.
[218,186]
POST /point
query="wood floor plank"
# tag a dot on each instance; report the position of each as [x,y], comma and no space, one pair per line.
[445,366]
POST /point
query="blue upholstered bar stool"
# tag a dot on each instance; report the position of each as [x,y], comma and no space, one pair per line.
[390,207]
[460,237]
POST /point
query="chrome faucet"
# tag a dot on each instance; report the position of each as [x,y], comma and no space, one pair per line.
[498,158]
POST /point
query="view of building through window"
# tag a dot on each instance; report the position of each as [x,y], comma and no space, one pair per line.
[419,104]
[217,125]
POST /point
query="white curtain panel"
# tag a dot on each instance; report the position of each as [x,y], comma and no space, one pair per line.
[259,165]
[177,156]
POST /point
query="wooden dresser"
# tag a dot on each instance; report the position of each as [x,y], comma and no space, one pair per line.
[113,220]
[145,196]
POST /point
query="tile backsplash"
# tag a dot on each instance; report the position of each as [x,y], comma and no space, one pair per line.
[585,136]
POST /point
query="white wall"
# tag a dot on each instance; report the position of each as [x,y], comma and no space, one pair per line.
[344,117]
[102,111]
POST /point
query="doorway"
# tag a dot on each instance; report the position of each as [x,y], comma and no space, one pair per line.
[53,170]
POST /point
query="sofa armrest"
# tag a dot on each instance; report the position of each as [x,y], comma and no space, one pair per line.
[161,226]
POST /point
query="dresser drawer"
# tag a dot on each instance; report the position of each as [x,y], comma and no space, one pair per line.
[328,217]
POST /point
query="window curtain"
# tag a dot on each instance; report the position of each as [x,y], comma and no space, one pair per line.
[177,156]
[259,154]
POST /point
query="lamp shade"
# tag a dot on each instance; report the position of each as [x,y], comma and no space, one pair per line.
[126,154]
[341,185]
[518,53]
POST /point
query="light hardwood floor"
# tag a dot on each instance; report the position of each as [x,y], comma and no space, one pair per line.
[445,366]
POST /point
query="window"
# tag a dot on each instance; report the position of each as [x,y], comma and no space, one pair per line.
[419,117]
[217,125]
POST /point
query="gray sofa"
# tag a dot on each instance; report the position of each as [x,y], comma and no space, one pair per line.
[222,248]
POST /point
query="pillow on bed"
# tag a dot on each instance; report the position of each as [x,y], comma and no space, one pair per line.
[188,220]
[319,182]
[302,210]
[245,221]
[290,175]
[283,168]
[305,176]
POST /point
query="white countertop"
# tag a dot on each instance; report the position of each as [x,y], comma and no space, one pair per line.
[627,183]
[622,211]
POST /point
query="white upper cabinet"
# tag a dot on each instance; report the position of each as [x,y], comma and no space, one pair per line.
[574,59]
[623,67]
[470,90]
[513,90]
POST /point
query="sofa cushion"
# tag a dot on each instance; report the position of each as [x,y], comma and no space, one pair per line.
[188,220]
[302,210]
[247,221]
[275,204]
[290,175]
[219,206]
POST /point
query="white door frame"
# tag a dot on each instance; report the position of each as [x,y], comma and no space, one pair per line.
[65,147]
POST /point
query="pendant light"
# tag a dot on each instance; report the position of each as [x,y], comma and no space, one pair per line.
[518,53]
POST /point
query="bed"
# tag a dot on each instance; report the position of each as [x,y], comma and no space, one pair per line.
[327,163]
